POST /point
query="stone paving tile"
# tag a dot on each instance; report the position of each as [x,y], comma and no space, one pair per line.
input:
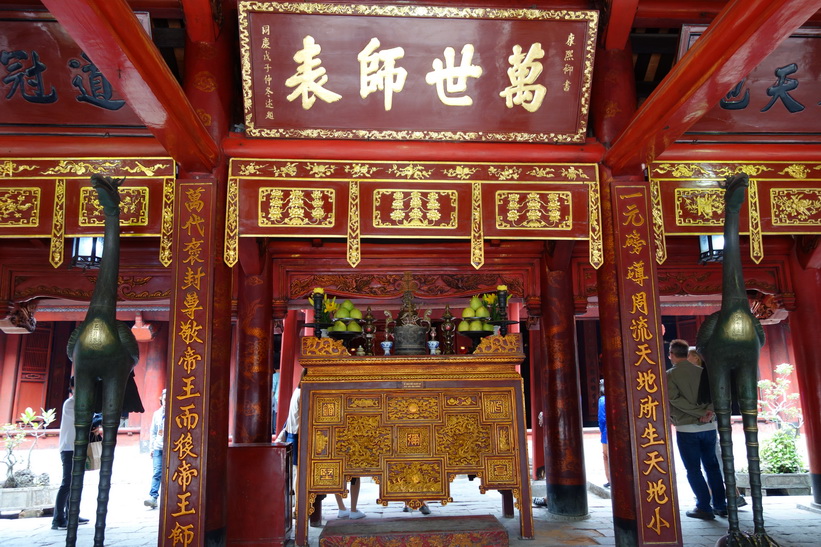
[130,524]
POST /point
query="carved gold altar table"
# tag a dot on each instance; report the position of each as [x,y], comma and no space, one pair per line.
[413,423]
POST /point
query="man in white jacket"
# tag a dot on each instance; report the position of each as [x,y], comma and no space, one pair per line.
[156,446]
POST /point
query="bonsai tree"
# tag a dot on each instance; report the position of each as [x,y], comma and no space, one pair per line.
[33,425]
[779,453]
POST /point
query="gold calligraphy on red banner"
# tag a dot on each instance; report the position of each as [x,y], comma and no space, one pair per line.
[658,515]
[186,438]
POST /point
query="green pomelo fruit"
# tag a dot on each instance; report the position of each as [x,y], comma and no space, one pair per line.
[468,312]
[476,325]
[356,314]
[475,302]
[463,326]
[482,311]
[353,326]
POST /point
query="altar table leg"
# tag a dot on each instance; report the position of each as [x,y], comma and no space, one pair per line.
[507,503]
[316,516]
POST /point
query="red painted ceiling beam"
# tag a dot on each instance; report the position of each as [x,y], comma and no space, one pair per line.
[674,13]
[239,146]
[200,23]
[619,23]
[112,37]
[734,44]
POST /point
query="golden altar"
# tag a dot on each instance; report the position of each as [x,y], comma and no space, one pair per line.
[412,423]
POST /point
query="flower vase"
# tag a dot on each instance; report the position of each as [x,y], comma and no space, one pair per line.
[386,346]
[433,346]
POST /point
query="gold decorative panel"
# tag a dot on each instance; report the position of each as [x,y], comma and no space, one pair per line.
[504,438]
[296,207]
[461,401]
[20,206]
[415,209]
[796,206]
[363,441]
[366,403]
[327,474]
[500,470]
[413,407]
[419,477]
[321,440]
[534,210]
[699,206]
[497,406]
[328,409]
[413,440]
[134,207]
[462,439]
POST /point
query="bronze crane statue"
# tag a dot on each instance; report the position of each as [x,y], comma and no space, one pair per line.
[104,353]
[730,341]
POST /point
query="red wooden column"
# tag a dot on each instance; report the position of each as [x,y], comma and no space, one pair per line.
[566,481]
[642,367]
[807,283]
[287,383]
[156,367]
[612,103]
[254,368]
[195,494]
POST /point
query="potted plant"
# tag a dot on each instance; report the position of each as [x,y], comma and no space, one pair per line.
[782,471]
[23,489]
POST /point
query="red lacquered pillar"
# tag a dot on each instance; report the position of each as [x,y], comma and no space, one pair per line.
[566,481]
[804,322]
[254,369]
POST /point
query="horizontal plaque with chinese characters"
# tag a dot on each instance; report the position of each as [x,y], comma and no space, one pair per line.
[416,72]
[48,82]
[777,101]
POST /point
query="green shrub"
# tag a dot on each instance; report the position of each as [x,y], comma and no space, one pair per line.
[779,453]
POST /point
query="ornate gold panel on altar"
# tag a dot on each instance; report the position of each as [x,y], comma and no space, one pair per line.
[412,423]
[783,198]
[412,200]
[53,198]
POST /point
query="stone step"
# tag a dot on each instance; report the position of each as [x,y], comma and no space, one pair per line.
[479,530]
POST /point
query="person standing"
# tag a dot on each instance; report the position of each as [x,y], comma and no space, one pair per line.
[603,430]
[695,433]
[156,446]
[66,447]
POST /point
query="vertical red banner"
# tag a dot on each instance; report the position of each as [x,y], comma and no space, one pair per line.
[187,406]
[658,516]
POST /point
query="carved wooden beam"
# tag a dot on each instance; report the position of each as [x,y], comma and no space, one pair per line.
[742,35]
[111,35]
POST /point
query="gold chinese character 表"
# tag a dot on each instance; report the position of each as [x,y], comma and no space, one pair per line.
[310,77]
[378,71]
[523,72]
[449,78]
